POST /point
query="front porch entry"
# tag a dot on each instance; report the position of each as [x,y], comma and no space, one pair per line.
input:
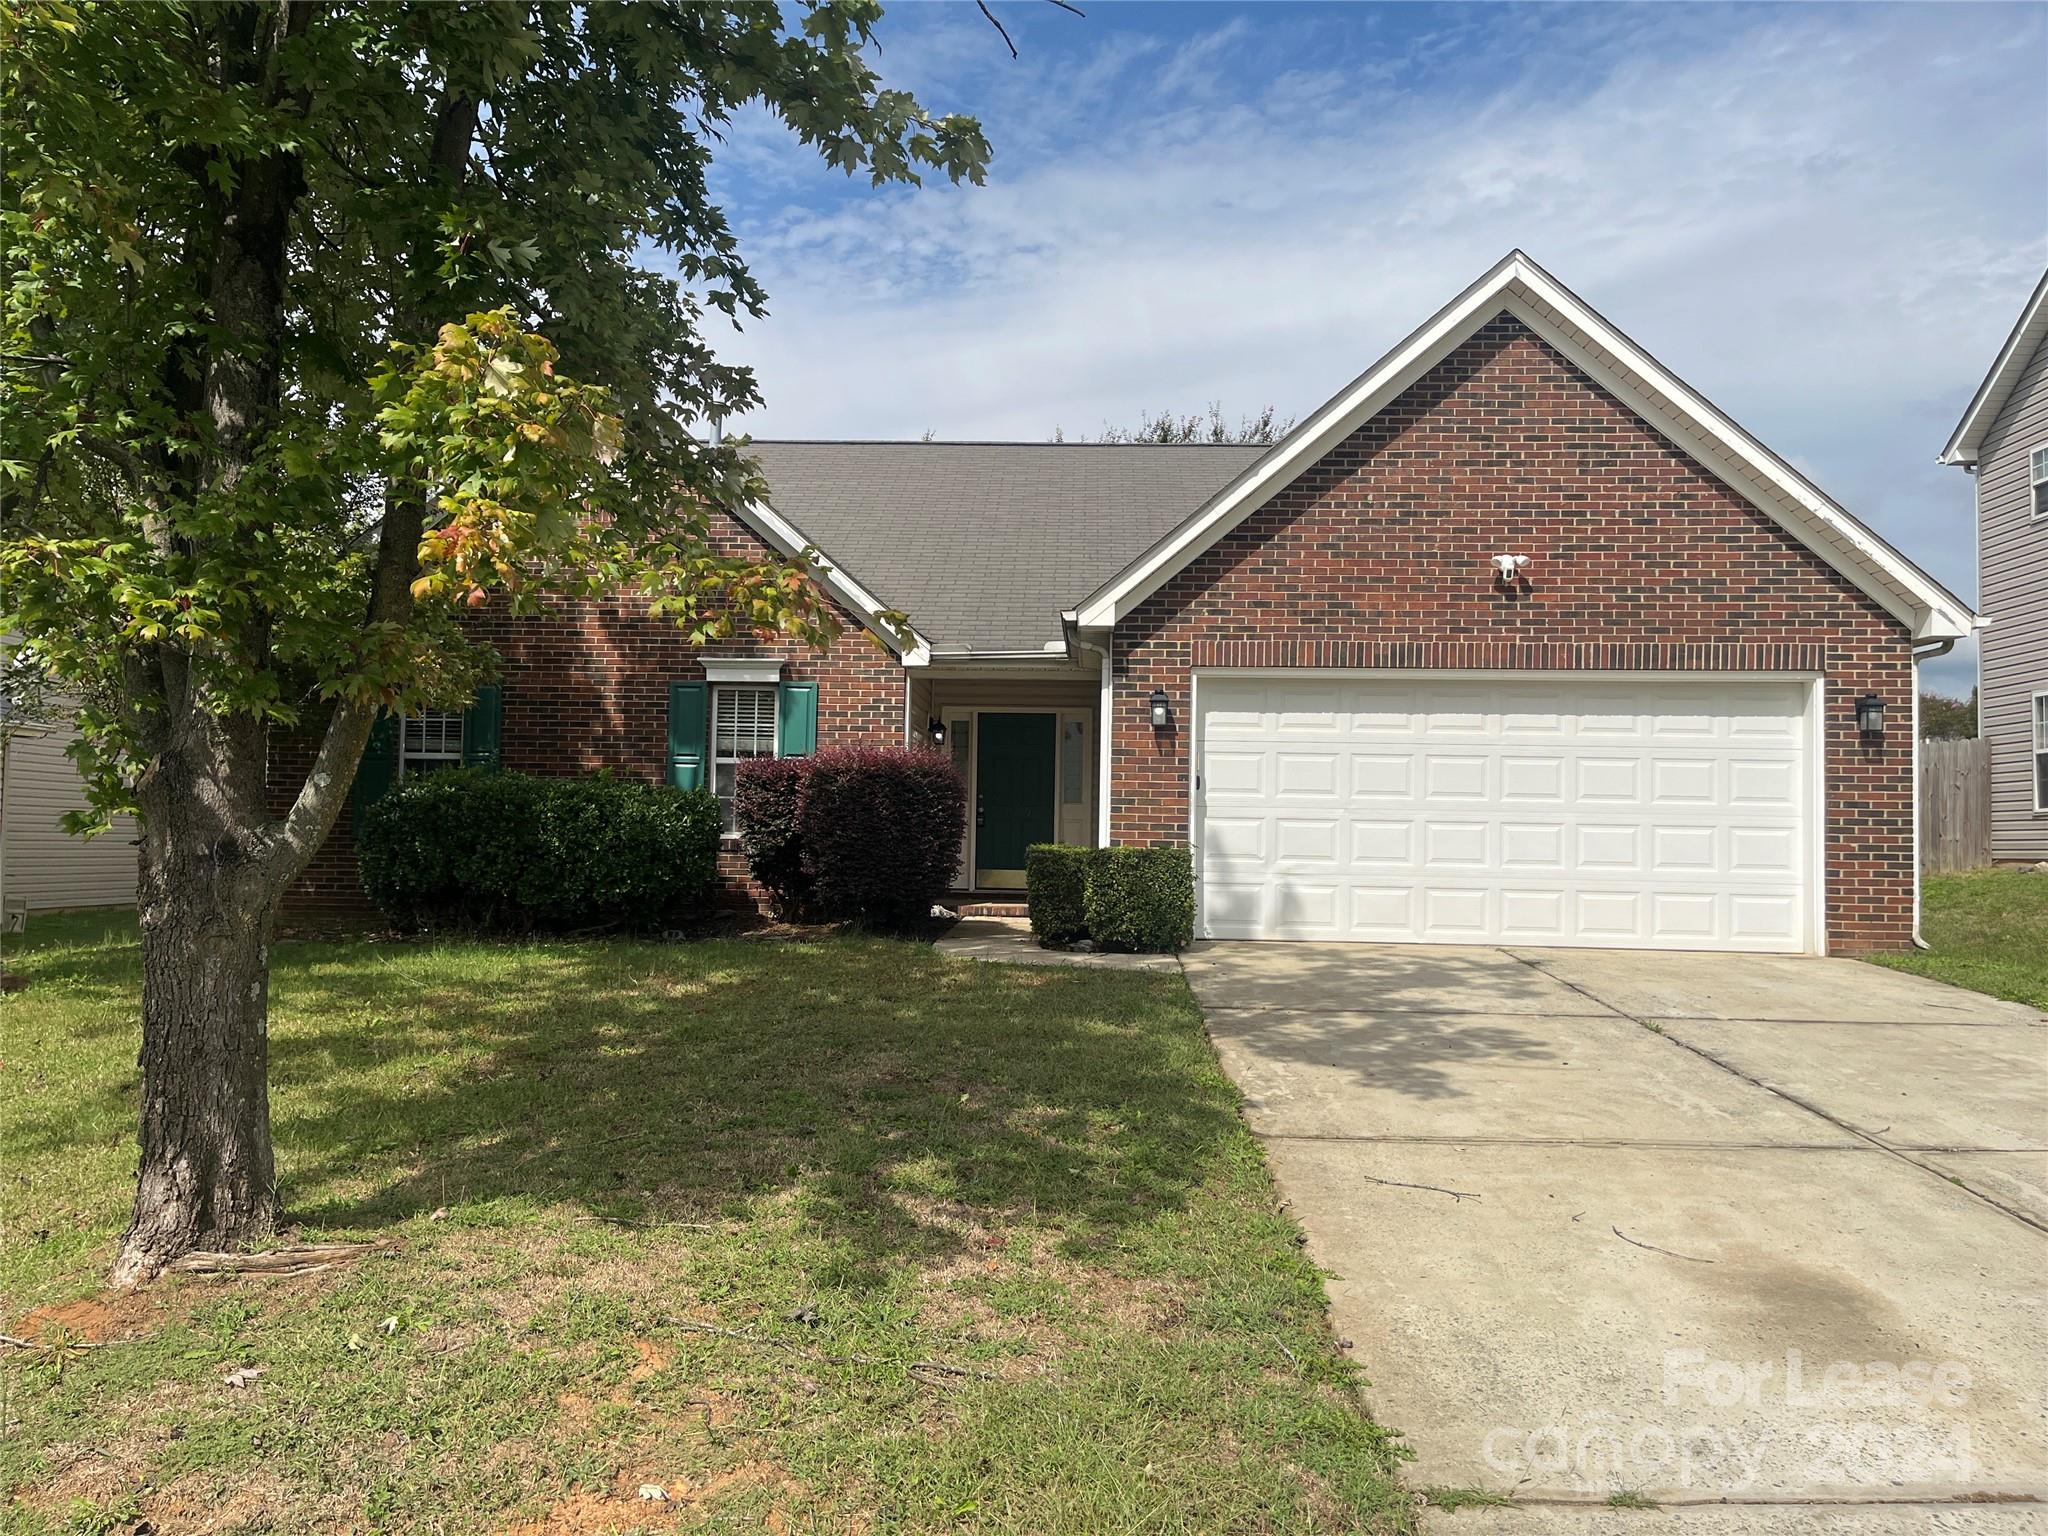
[1026,748]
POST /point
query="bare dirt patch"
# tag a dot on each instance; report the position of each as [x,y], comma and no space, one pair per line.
[92,1319]
[591,1513]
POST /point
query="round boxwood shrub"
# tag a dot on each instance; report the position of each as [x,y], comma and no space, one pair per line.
[880,829]
[1056,891]
[510,852]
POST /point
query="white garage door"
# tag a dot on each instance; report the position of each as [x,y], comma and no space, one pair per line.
[1664,815]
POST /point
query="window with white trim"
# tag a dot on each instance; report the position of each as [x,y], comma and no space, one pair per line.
[429,741]
[2041,751]
[2037,481]
[742,727]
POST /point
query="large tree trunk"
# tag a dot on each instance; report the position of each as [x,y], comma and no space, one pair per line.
[206,1177]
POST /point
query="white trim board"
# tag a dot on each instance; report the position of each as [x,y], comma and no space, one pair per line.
[1523,289]
[779,534]
[1967,440]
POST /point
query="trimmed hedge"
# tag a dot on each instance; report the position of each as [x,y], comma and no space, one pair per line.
[767,801]
[476,848]
[1142,898]
[1122,898]
[1056,891]
[867,835]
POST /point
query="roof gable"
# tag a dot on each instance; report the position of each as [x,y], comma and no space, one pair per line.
[1524,290]
[1967,440]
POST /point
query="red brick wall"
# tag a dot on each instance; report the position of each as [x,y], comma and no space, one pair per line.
[1377,557]
[587,688]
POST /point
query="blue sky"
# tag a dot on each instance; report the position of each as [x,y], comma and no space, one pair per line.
[1824,218]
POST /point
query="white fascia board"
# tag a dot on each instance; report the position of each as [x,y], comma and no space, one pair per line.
[1525,290]
[2028,332]
[781,535]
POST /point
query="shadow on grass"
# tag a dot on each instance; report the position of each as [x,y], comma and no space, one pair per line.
[876,1081]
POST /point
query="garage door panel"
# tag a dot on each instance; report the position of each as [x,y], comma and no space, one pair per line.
[1302,775]
[1683,781]
[1384,913]
[1235,774]
[1533,780]
[1762,919]
[1300,840]
[1456,844]
[1533,845]
[1684,849]
[1237,840]
[1609,780]
[1454,914]
[1382,842]
[1382,776]
[1532,916]
[1448,777]
[1539,811]
[1763,782]
[1763,850]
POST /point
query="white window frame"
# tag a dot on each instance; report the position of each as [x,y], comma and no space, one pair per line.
[2037,726]
[2037,481]
[726,817]
[440,758]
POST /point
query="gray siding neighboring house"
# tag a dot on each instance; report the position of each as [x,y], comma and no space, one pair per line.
[2003,439]
[46,867]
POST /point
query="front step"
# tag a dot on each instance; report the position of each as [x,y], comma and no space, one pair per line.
[993,909]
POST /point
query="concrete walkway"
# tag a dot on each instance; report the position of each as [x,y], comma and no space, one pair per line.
[1008,940]
[1702,1228]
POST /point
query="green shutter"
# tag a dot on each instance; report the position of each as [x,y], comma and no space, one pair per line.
[483,729]
[797,730]
[686,734]
[378,770]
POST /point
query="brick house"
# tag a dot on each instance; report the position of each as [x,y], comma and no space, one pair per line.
[1516,639]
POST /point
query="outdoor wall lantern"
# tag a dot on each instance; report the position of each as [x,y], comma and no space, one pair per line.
[936,729]
[1162,711]
[1870,715]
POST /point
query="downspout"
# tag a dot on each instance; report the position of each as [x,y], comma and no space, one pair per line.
[1920,654]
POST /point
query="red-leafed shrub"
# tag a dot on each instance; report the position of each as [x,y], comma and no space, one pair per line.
[880,829]
[765,803]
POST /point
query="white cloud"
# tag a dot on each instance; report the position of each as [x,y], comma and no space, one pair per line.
[1823,220]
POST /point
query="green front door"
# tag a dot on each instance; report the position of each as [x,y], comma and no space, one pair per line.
[1013,785]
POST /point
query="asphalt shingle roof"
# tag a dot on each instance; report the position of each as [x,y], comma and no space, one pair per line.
[983,544]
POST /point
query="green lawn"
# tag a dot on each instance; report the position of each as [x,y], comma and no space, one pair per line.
[881,1166]
[1989,932]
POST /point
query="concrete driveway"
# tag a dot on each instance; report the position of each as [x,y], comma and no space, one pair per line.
[1704,1228]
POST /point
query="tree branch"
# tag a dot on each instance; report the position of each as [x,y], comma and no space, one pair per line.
[982,6]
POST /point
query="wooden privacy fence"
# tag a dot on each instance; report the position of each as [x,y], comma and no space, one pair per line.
[1955,804]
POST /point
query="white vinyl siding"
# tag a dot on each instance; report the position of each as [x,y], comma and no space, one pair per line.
[743,725]
[1568,811]
[428,741]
